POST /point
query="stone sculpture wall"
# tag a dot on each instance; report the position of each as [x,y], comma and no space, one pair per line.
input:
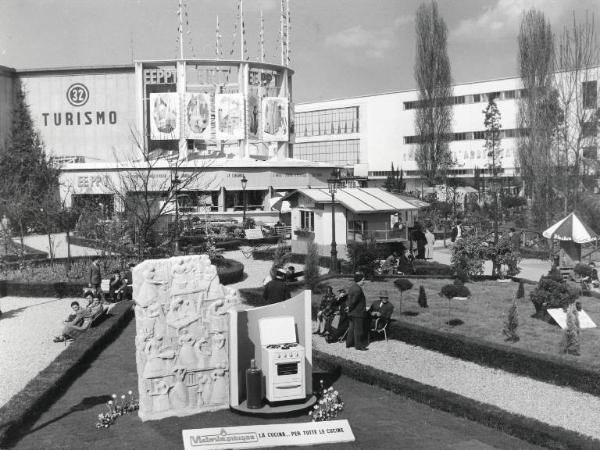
[182,333]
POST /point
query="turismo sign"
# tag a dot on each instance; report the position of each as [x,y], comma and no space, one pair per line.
[77,96]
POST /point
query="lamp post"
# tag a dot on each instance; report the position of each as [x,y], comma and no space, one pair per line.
[244,184]
[175,188]
[333,184]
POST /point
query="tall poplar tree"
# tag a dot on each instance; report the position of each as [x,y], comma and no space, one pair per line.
[538,113]
[433,117]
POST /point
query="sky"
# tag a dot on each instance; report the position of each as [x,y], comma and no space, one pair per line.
[339,48]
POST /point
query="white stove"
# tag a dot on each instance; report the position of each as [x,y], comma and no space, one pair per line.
[282,359]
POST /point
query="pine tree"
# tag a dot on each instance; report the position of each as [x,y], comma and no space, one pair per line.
[512,322]
[520,290]
[422,298]
[311,264]
[570,343]
[25,173]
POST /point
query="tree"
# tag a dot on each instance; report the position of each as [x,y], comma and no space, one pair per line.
[538,113]
[577,59]
[311,264]
[146,195]
[511,324]
[395,181]
[26,175]
[433,117]
[570,343]
[493,127]
[422,297]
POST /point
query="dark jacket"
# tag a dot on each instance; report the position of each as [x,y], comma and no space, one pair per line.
[95,275]
[276,291]
[385,309]
[357,304]
[454,233]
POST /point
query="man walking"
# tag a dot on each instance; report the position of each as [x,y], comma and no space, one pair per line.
[357,305]
[277,289]
[95,279]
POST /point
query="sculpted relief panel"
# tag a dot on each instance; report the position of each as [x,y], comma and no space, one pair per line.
[182,333]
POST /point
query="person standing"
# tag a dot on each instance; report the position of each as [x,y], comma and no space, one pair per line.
[421,240]
[95,276]
[277,289]
[456,231]
[430,237]
[357,306]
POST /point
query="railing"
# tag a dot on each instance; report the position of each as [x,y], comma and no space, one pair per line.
[378,235]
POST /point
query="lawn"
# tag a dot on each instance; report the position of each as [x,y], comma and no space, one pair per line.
[484,314]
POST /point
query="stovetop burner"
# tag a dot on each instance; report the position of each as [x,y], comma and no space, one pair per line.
[283,346]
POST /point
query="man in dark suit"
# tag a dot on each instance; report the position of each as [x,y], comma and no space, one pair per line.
[95,278]
[456,231]
[277,289]
[356,305]
[381,311]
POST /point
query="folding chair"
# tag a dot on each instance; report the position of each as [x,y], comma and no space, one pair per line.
[380,330]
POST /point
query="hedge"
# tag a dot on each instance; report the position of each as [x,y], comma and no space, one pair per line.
[27,405]
[522,427]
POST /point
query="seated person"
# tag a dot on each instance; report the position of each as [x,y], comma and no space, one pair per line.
[75,317]
[81,323]
[326,310]
[117,286]
[391,263]
[336,329]
[290,274]
[381,311]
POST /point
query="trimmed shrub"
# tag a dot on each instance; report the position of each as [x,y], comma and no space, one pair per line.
[455,290]
[511,324]
[402,284]
[551,293]
[583,270]
[520,290]
[570,343]
[422,298]
[364,256]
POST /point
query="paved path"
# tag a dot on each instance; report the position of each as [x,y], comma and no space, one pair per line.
[59,245]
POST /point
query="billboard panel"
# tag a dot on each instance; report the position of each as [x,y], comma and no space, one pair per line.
[197,116]
[229,116]
[164,116]
[254,113]
[274,119]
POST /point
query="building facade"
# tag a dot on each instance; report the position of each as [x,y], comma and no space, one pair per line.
[370,133]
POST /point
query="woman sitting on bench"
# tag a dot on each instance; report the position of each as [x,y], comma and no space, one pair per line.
[82,321]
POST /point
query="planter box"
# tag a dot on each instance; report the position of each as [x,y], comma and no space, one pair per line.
[305,234]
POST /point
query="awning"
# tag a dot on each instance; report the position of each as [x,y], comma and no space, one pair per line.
[571,228]
[363,200]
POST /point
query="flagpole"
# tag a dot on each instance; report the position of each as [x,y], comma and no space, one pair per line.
[180,14]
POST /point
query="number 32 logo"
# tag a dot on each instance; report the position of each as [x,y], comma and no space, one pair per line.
[78,94]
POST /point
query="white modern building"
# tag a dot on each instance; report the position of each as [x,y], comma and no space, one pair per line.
[369,133]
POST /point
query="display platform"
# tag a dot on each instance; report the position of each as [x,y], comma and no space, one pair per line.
[271,411]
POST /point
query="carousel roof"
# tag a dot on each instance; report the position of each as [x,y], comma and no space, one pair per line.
[571,228]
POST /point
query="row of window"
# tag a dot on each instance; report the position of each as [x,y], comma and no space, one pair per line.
[326,122]
[417,173]
[589,97]
[338,152]
[473,135]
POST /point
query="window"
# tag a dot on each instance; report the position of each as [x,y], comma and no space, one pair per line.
[328,121]
[339,152]
[590,94]
[476,98]
[307,220]
[479,135]
[459,100]
[492,96]
[510,95]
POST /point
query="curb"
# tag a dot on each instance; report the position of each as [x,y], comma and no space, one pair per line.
[27,405]
[527,429]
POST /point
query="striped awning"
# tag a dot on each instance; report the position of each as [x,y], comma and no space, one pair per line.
[571,228]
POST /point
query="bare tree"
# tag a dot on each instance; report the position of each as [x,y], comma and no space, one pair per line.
[147,189]
[538,113]
[433,117]
[577,59]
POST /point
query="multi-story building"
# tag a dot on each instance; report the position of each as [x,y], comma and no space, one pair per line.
[370,133]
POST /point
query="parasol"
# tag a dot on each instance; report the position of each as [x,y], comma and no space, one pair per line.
[571,228]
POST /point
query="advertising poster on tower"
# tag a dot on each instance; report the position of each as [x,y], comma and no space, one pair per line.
[254,115]
[274,119]
[229,116]
[197,116]
[164,116]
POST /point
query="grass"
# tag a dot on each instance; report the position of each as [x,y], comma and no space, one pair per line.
[484,314]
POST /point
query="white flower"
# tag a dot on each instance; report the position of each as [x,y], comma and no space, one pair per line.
[110,402]
[123,396]
[130,392]
[114,396]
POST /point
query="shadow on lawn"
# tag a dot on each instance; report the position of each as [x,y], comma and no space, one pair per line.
[15,312]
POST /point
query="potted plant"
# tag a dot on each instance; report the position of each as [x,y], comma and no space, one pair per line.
[304,232]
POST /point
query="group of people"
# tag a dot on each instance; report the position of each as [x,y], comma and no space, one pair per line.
[119,284]
[346,315]
[81,318]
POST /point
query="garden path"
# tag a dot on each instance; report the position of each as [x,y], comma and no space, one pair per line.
[548,403]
